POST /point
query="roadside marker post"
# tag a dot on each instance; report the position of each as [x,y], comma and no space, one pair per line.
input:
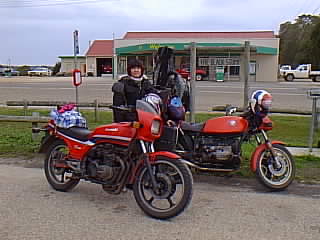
[314,94]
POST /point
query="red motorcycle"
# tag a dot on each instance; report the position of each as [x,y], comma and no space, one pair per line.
[120,155]
[215,145]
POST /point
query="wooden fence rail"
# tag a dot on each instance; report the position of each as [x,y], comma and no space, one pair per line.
[25,104]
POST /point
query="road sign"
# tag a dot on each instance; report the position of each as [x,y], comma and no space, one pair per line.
[77,79]
[76,42]
[314,93]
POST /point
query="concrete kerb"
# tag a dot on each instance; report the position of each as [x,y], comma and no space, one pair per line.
[300,151]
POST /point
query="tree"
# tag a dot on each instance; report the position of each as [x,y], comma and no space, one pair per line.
[296,44]
[23,70]
[315,44]
[56,68]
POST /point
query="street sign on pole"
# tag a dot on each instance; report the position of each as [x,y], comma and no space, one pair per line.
[77,79]
[76,42]
[76,73]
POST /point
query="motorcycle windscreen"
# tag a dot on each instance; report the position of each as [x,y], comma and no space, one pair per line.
[226,124]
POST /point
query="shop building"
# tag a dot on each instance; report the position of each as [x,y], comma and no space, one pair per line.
[221,52]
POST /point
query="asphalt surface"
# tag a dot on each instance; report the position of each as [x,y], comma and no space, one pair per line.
[222,208]
[287,95]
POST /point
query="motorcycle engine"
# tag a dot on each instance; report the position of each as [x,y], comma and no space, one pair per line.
[104,162]
[219,150]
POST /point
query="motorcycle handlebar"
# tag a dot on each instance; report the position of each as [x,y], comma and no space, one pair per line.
[123,108]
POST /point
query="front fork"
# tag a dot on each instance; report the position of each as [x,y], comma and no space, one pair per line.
[146,148]
[270,147]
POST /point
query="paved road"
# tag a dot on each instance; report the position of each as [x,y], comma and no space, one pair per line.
[221,209]
[287,95]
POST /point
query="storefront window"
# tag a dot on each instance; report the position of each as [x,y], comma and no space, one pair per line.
[252,68]
[234,70]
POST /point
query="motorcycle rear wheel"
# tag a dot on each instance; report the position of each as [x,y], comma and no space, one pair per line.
[56,176]
[173,177]
[274,178]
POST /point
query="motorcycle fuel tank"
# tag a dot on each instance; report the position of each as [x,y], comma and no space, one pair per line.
[226,124]
[121,133]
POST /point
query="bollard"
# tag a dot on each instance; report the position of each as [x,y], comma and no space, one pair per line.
[25,106]
[35,125]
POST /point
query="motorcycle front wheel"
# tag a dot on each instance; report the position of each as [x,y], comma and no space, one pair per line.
[58,177]
[273,176]
[174,189]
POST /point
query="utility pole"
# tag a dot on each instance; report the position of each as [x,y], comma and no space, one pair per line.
[114,60]
[246,74]
[193,63]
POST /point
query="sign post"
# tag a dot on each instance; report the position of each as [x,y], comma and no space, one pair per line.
[314,94]
[76,72]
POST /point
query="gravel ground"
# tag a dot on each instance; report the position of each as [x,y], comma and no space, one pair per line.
[222,208]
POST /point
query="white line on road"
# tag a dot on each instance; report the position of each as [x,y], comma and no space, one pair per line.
[239,87]
[66,88]
[287,94]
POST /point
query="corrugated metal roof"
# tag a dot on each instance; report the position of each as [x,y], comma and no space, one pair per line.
[254,34]
[101,48]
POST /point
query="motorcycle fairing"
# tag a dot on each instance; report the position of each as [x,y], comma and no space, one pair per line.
[225,125]
[255,155]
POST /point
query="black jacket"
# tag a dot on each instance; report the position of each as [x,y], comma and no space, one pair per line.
[126,92]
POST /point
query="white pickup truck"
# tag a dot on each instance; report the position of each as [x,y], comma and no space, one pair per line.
[40,71]
[302,71]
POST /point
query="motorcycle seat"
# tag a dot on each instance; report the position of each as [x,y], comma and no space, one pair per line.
[193,127]
[79,133]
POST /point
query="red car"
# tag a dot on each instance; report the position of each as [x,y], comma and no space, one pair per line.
[106,69]
[185,72]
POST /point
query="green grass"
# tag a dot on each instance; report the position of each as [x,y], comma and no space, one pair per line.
[16,137]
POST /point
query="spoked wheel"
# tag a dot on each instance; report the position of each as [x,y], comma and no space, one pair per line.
[198,77]
[174,189]
[59,177]
[276,176]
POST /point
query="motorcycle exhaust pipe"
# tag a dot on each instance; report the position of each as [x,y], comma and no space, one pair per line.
[206,169]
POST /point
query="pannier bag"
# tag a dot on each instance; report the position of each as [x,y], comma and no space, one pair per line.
[67,117]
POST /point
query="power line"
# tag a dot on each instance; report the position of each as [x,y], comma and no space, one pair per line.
[46,3]
[314,11]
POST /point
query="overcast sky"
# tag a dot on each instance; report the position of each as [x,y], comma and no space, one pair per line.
[38,31]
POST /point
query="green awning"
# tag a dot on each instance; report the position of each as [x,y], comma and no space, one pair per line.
[183,46]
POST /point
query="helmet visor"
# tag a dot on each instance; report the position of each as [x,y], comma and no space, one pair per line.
[266,103]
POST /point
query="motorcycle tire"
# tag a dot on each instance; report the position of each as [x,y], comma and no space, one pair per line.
[276,179]
[171,175]
[57,149]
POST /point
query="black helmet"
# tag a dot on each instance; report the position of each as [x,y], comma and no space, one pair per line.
[135,63]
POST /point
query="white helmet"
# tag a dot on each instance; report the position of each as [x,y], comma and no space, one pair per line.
[261,100]
[155,101]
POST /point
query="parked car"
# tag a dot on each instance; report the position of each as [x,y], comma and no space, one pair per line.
[40,71]
[184,70]
[302,71]
[106,69]
[283,69]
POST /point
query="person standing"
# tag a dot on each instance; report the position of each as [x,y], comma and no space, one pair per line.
[131,87]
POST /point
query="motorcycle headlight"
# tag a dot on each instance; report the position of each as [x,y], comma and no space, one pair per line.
[155,127]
